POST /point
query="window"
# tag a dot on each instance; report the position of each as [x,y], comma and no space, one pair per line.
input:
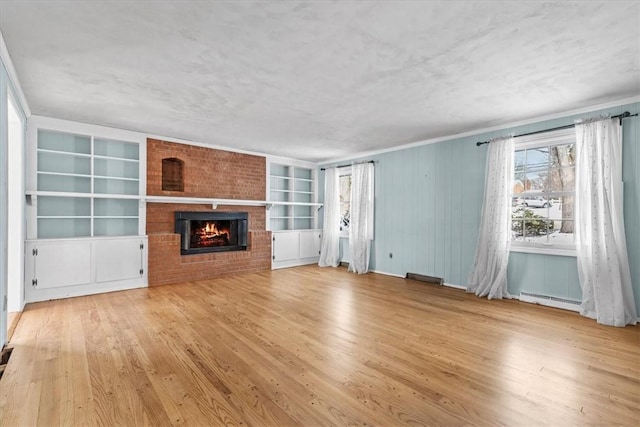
[345,200]
[543,191]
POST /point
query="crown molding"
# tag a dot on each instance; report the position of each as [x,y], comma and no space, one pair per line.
[589,109]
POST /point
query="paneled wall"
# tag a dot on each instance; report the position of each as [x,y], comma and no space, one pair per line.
[428,204]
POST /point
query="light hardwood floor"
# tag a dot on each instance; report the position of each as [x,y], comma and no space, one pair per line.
[311,346]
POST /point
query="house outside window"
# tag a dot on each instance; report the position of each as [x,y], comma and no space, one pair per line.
[543,193]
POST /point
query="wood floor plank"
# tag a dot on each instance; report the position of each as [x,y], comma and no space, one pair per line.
[312,346]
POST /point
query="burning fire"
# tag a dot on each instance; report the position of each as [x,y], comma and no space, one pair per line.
[210,234]
[211,229]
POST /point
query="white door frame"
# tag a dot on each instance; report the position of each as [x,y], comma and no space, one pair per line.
[3,204]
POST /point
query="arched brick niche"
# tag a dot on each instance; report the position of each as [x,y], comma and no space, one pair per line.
[172,174]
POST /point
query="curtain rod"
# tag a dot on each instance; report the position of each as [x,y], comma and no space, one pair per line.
[346,166]
[619,116]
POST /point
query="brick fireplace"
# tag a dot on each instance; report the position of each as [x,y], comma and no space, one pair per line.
[207,173]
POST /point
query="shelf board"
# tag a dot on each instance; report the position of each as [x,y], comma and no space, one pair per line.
[82,195]
[67,153]
[169,199]
[116,177]
[124,159]
[295,203]
[63,217]
[205,201]
[74,175]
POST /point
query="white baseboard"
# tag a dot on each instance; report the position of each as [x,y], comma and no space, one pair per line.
[548,301]
[451,285]
[387,274]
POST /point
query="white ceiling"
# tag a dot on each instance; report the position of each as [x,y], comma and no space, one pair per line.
[319,80]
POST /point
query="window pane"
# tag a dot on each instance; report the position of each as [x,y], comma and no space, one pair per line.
[519,160]
[536,230]
[562,232]
[561,179]
[561,208]
[562,155]
[537,158]
[345,214]
[345,200]
[517,225]
[345,188]
[531,224]
[535,181]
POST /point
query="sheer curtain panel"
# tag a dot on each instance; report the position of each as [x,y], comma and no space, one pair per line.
[361,226]
[603,265]
[489,275]
[330,246]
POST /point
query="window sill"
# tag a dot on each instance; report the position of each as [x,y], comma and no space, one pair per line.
[543,250]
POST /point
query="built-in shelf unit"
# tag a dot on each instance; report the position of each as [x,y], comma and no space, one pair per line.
[293,214]
[85,186]
[292,192]
[85,209]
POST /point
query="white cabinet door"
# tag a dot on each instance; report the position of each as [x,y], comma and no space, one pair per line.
[69,267]
[286,246]
[309,244]
[60,264]
[291,248]
[118,260]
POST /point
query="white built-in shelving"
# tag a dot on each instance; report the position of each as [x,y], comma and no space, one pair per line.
[86,186]
[293,215]
[292,192]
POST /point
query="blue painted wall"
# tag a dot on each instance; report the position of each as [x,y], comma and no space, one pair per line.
[428,203]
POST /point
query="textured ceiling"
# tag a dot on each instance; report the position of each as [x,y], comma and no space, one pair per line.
[319,80]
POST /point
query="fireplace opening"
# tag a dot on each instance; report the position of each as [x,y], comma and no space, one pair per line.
[202,232]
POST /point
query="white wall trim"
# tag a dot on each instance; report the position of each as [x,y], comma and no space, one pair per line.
[384,273]
[134,135]
[290,161]
[549,302]
[42,122]
[451,285]
[550,250]
[478,132]
[13,76]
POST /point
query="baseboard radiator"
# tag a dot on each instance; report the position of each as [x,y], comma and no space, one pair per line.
[423,278]
[548,301]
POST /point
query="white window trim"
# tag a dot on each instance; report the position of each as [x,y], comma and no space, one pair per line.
[530,141]
[543,250]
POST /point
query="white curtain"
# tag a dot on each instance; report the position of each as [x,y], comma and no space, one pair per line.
[603,265]
[361,225]
[330,246]
[489,275]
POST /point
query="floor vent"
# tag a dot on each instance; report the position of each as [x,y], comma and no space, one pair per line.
[423,278]
[4,359]
[549,301]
